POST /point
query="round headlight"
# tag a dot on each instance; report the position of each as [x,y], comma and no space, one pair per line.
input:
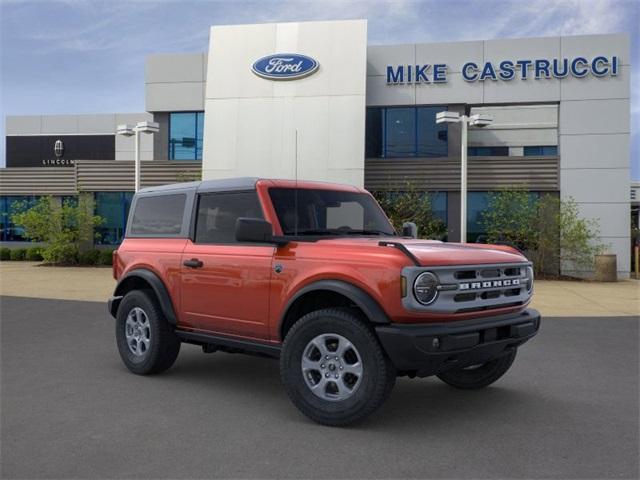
[425,288]
[529,280]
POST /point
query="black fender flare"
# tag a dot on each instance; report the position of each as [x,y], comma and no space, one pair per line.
[359,297]
[158,287]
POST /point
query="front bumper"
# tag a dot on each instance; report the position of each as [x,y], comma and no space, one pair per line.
[426,350]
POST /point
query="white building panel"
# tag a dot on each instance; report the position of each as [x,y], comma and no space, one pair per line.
[380,56]
[595,151]
[594,116]
[455,90]
[453,54]
[594,88]
[251,122]
[175,97]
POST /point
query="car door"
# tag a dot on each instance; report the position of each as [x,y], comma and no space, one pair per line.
[225,284]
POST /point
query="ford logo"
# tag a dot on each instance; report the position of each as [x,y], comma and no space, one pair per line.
[285,66]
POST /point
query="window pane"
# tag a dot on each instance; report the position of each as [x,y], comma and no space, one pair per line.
[199,134]
[488,151]
[161,215]
[11,205]
[319,210]
[477,202]
[373,133]
[400,130]
[110,206]
[432,137]
[183,136]
[439,205]
[541,151]
[217,215]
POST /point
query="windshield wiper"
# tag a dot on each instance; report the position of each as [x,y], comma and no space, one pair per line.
[368,232]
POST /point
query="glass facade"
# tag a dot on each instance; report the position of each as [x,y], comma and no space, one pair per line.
[10,232]
[185,135]
[405,132]
[488,151]
[113,207]
[541,151]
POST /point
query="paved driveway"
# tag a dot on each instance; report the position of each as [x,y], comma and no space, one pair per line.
[567,409]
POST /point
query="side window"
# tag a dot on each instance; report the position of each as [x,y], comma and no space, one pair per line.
[218,212]
[158,215]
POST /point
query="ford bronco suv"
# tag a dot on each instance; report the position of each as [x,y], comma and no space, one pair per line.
[314,274]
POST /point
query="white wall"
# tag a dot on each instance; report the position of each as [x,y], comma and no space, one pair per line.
[250,122]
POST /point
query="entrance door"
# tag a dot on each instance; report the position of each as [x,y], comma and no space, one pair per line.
[225,284]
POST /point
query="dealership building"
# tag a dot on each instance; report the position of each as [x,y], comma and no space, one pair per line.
[312,100]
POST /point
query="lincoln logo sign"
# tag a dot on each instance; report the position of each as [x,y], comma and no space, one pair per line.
[58,148]
[285,66]
[506,70]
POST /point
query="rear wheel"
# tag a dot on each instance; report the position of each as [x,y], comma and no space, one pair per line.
[146,342]
[333,368]
[479,376]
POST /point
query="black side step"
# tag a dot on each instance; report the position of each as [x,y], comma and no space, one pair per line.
[247,346]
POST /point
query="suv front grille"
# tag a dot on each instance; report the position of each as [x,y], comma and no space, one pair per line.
[475,287]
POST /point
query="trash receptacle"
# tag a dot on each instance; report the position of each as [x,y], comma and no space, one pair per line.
[606,268]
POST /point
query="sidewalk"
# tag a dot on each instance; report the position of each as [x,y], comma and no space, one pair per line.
[552,298]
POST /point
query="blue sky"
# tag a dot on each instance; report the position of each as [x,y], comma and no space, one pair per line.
[74,56]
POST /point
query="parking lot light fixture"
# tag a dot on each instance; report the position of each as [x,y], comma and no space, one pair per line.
[477,120]
[128,131]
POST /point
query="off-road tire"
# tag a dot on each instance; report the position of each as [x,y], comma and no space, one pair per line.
[480,377]
[378,376]
[164,344]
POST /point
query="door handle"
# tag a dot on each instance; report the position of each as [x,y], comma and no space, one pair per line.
[193,263]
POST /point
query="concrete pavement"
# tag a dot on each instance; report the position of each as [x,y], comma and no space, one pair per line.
[568,408]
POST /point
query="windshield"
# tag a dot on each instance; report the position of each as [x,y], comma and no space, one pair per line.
[328,212]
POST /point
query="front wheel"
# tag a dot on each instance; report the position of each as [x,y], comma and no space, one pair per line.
[333,367]
[479,376]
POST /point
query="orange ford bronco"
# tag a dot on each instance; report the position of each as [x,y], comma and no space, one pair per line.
[314,274]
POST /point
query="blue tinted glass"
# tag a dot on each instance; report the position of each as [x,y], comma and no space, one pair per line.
[199,134]
[439,205]
[477,202]
[400,129]
[113,207]
[432,137]
[541,151]
[488,151]
[185,135]
[8,206]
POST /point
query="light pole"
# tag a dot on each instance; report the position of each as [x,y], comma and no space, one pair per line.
[477,120]
[128,131]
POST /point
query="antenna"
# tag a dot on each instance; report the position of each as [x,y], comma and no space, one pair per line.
[295,191]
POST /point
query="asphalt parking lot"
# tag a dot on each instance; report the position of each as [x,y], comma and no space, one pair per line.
[567,409]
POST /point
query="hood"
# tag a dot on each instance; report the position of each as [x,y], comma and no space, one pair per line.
[436,253]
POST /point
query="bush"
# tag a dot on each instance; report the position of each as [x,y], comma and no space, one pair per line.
[548,228]
[411,205]
[62,227]
[34,254]
[5,253]
[18,253]
[90,257]
[106,257]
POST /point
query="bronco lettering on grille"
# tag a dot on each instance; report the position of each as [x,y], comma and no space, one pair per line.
[489,284]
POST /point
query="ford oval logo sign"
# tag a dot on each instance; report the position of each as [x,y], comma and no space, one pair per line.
[285,66]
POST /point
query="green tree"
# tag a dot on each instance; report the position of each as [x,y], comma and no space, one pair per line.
[510,218]
[412,205]
[63,228]
[548,228]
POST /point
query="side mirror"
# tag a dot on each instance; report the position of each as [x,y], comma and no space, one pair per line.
[256,230]
[409,229]
[253,230]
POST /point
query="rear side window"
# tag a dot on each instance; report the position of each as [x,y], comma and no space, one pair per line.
[159,215]
[218,212]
